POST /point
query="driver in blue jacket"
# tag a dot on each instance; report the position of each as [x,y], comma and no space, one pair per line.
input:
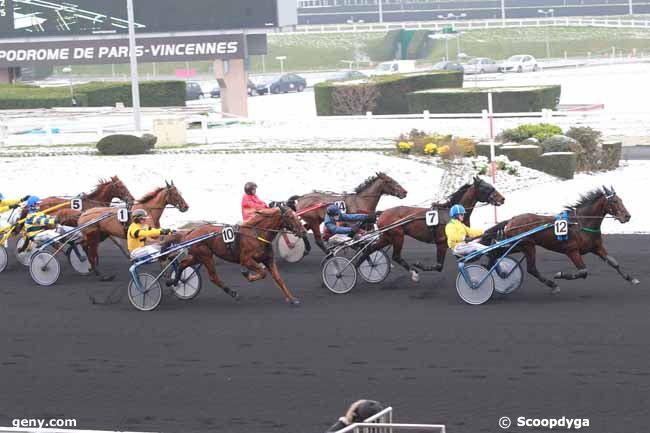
[334,216]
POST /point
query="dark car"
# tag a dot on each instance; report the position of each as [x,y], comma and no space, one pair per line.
[449,66]
[250,88]
[193,91]
[283,84]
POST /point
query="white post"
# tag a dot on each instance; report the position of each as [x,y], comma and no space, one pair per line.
[492,150]
[135,85]
[426,114]
[381,11]
[204,128]
[368,114]
[503,12]
[631,8]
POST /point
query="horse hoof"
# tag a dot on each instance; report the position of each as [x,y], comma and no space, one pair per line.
[558,275]
[106,278]
[294,302]
[555,290]
[635,281]
[415,277]
[234,294]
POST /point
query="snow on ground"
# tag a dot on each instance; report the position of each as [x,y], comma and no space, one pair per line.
[212,183]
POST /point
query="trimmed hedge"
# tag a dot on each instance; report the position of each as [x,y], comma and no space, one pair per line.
[120,144]
[527,155]
[94,94]
[560,164]
[392,91]
[472,100]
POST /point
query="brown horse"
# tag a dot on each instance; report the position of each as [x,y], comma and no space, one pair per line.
[102,195]
[252,248]
[468,195]
[154,203]
[585,218]
[364,200]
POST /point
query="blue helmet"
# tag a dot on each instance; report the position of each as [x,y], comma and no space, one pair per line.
[2,197]
[333,210]
[456,210]
[33,201]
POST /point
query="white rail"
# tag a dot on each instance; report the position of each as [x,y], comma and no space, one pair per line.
[382,422]
[628,23]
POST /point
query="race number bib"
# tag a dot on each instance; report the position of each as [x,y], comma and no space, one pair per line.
[123,215]
[341,205]
[228,235]
[76,204]
[431,218]
[561,228]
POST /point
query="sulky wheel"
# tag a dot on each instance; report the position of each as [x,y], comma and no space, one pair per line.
[481,287]
[189,285]
[3,258]
[79,262]
[508,276]
[44,268]
[290,247]
[375,268]
[25,257]
[147,297]
[339,275]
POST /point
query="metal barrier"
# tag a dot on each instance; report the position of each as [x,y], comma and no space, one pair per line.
[382,422]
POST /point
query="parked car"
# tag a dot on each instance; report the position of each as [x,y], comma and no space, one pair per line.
[481,65]
[349,75]
[282,84]
[448,66]
[519,63]
[193,91]
[395,67]
[250,86]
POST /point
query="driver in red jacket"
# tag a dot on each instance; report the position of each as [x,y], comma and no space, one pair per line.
[250,202]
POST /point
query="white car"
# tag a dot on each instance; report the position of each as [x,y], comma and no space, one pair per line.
[519,63]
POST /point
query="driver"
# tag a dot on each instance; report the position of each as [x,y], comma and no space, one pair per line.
[8,204]
[334,217]
[250,202]
[459,236]
[40,227]
[359,411]
[138,234]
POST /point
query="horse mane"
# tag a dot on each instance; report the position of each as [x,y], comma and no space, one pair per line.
[369,181]
[101,183]
[454,198]
[151,194]
[587,199]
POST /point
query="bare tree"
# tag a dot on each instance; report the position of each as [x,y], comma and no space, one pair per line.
[357,99]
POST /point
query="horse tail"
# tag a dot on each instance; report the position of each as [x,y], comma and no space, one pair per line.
[494,233]
[291,202]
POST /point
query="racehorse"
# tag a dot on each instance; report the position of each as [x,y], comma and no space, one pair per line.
[468,195]
[364,200]
[102,195]
[154,203]
[585,219]
[252,248]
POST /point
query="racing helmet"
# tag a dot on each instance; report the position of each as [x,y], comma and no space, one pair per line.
[249,187]
[139,214]
[2,197]
[333,210]
[33,202]
[456,210]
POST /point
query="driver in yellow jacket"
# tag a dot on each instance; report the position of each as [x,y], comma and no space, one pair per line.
[8,204]
[139,233]
[458,234]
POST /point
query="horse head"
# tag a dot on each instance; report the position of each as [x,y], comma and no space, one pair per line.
[487,193]
[615,206]
[119,190]
[390,186]
[173,197]
[291,222]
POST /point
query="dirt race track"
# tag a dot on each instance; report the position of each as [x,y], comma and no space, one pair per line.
[258,365]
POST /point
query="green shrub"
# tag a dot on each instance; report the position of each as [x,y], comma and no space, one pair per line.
[540,131]
[472,100]
[120,144]
[560,143]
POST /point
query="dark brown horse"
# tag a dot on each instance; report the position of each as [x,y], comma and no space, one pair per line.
[154,203]
[585,219]
[102,195]
[468,196]
[364,200]
[252,248]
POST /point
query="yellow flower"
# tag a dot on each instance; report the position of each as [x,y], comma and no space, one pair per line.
[430,149]
[405,146]
[443,150]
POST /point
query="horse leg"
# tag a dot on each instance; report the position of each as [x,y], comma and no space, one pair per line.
[397,240]
[204,256]
[611,261]
[441,253]
[275,273]
[529,252]
[576,258]
[259,273]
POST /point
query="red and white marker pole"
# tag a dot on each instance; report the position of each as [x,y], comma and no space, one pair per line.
[493,164]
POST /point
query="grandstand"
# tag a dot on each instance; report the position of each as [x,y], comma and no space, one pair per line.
[342,11]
